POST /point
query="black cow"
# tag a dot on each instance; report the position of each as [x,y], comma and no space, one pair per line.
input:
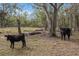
[16,38]
[65,32]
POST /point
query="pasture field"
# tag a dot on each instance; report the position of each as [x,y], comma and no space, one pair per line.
[39,45]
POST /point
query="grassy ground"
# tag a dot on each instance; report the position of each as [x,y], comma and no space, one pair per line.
[39,45]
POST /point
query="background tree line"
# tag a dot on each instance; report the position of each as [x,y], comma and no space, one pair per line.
[9,19]
[51,16]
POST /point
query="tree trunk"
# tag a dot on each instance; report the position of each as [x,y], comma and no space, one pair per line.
[46,25]
[54,20]
[74,21]
[54,23]
[71,18]
[47,20]
[19,27]
[77,22]
[2,22]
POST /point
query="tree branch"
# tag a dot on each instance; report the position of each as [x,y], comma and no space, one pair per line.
[52,5]
[37,6]
[60,5]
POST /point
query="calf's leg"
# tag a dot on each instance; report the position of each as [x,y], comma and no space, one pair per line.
[23,44]
[68,36]
[64,37]
[12,45]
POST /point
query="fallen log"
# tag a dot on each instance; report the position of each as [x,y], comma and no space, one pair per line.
[34,33]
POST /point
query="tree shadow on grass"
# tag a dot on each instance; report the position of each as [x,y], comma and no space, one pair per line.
[21,51]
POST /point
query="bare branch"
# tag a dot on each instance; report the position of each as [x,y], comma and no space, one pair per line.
[52,5]
[60,5]
[37,6]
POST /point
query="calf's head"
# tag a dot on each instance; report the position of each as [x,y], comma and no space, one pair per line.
[7,36]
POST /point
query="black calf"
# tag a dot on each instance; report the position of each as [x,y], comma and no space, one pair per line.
[65,32]
[16,38]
